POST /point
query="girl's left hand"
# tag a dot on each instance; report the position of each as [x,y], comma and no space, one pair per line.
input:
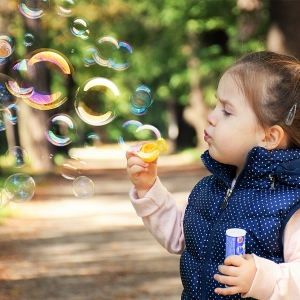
[238,275]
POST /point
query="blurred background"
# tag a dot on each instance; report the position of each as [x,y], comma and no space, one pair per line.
[75,77]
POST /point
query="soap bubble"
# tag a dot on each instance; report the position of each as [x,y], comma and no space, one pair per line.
[64,8]
[59,68]
[61,130]
[107,46]
[33,11]
[88,58]
[19,187]
[83,187]
[6,98]
[17,157]
[140,100]
[73,167]
[80,29]
[95,103]
[11,113]
[119,60]
[7,48]
[91,140]
[28,39]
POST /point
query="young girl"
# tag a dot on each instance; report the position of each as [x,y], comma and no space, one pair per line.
[253,137]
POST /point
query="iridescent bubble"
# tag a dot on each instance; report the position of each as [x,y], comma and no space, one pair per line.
[107,46]
[16,157]
[61,130]
[11,113]
[88,57]
[59,67]
[19,187]
[95,103]
[129,134]
[119,60]
[7,48]
[33,9]
[140,100]
[3,198]
[80,29]
[83,187]
[28,39]
[73,167]
[91,140]
[64,8]
[6,98]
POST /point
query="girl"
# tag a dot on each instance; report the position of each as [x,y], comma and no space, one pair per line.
[253,138]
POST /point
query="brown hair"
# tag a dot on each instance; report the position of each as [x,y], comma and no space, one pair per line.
[271,83]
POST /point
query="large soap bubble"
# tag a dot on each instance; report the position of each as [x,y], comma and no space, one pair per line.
[38,94]
[19,187]
[61,130]
[17,157]
[95,102]
[83,187]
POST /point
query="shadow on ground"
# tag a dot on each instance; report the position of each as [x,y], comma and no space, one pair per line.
[59,247]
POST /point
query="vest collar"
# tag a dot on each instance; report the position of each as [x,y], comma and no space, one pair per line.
[261,168]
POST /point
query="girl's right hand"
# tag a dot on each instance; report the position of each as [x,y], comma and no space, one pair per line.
[141,173]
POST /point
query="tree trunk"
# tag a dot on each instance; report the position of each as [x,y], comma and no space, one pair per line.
[283,35]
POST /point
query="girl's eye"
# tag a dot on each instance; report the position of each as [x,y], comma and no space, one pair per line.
[226,113]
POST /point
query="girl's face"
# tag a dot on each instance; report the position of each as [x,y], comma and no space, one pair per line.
[233,128]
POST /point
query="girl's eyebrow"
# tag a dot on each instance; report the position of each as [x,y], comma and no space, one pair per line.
[223,101]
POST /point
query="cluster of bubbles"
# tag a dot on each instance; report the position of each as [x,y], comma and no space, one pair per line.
[95,101]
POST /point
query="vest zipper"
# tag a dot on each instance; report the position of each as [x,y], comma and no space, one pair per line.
[224,203]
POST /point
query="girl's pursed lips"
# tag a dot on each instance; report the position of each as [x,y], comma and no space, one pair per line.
[206,136]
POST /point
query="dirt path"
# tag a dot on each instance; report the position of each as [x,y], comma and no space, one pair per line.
[60,247]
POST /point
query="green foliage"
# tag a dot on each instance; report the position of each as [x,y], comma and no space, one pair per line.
[164,36]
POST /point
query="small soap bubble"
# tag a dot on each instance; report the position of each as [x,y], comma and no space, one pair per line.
[140,100]
[134,132]
[83,187]
[7,48]
[28,39]
[89,54]
[95,102]
[80,29]
[73,167]
[65,8]
[61,130]
[33,9]
[17,157]
[119,60]
[107,46]
[11,113]
[91,140]
[3,198]
[6,98]
[19,187]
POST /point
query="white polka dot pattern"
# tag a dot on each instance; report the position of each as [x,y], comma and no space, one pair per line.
[265,195]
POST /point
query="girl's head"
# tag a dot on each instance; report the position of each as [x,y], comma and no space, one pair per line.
[270,83]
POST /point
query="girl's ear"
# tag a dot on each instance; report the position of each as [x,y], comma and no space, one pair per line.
[275,138]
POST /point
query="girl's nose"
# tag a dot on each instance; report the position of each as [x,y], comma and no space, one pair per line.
[211,119]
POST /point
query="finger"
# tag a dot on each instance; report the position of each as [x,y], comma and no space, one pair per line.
[226,280]
[234,260]
[227,291]
[134,160]
[228,270]
[135,169]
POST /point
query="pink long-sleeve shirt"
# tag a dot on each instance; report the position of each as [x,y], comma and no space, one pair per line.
[272,281]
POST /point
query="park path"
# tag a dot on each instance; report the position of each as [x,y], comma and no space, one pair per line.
[59,247]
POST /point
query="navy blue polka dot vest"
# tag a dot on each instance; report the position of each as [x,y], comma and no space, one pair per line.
[265,196]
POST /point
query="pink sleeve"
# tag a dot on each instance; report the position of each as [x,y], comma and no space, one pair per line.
[161,216]
[280,281]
